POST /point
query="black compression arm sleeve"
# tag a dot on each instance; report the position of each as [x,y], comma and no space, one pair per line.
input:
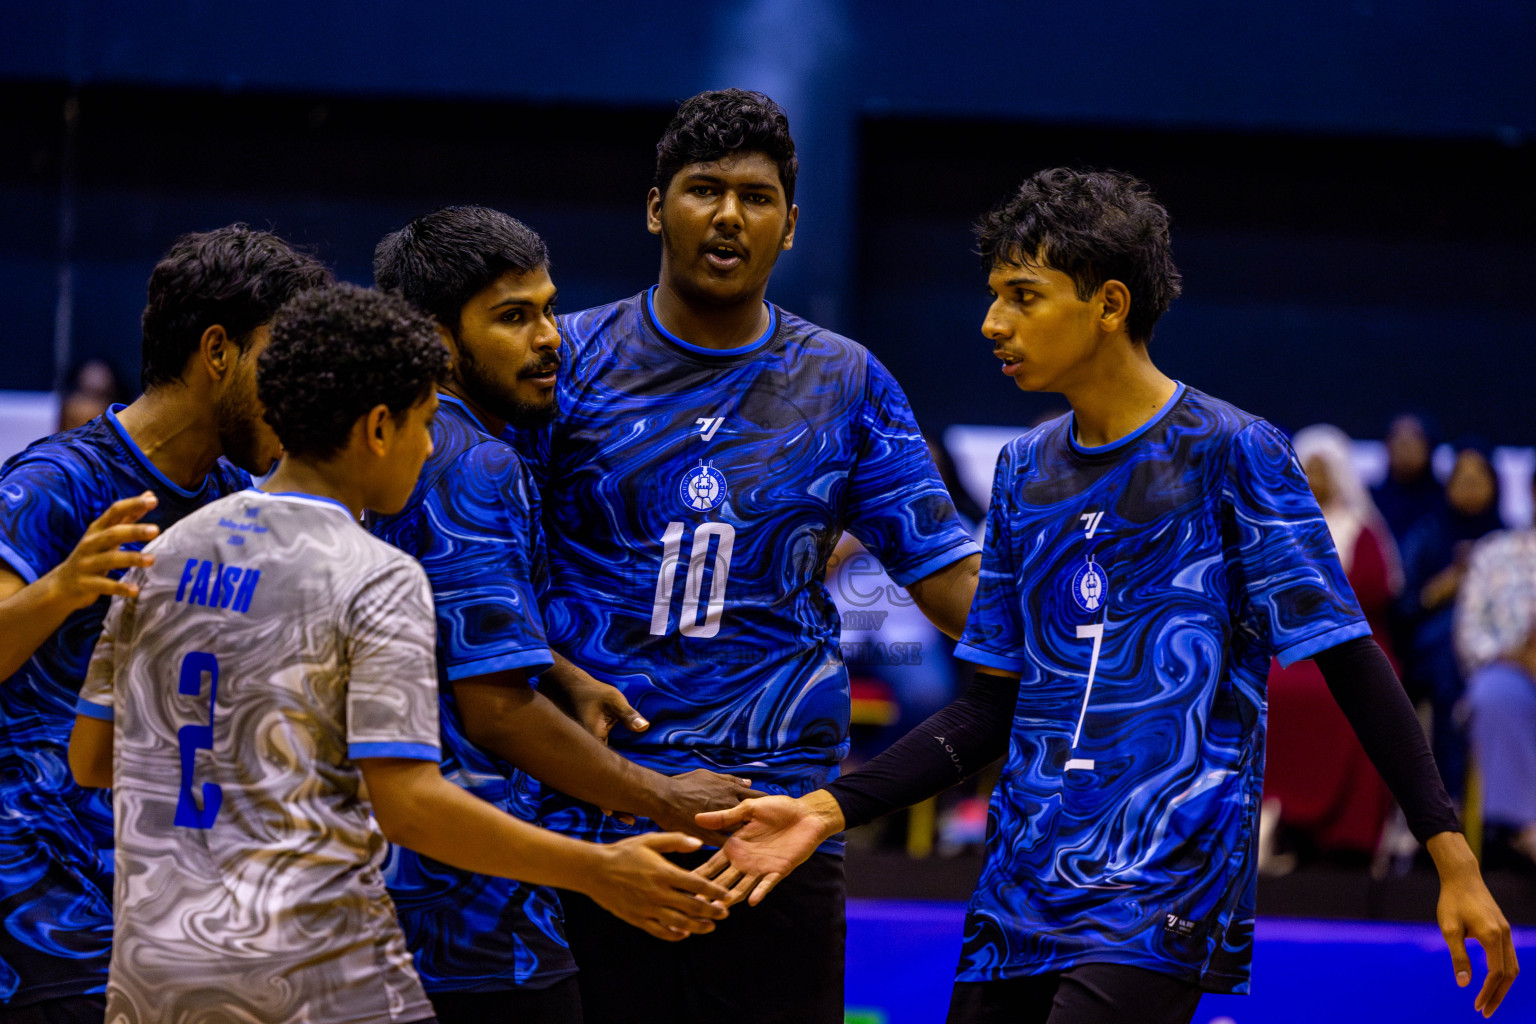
[1368,692]
[950,746]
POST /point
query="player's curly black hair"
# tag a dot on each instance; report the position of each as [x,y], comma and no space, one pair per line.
[441,260]
[1093,226]
[715,124]
[337,352]
[233,276]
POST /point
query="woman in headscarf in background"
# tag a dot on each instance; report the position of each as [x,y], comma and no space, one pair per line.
[1434,562]
[1410,491]
[1318,777]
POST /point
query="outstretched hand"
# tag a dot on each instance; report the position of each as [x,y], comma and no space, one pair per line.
[85,575]
[1467,910]
[641,887]
[770,837]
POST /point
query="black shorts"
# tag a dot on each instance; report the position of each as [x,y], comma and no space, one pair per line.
[780,962]
[64,1010]
[1085,994]
[559,1003]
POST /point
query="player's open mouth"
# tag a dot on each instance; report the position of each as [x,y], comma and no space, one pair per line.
[723,257]
[1011,364]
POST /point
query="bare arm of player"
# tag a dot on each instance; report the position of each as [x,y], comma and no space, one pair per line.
[598,706]
[90,752]
[1467,911]
[512,720]
[945,596]
[417,808]
[31,612]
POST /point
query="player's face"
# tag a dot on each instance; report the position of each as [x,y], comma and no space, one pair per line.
[411,444]
[507,349]
[722,226]
[1045,335]
[247,440]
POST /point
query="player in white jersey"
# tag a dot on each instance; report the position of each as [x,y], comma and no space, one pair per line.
[273,680]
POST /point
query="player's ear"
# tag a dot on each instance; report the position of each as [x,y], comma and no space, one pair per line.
[1116,305]
[379,429]
[216,352]
[450,343]
[788,241]
[653,211]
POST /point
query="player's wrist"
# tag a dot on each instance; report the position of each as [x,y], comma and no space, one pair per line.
[1452,856]
[822,808]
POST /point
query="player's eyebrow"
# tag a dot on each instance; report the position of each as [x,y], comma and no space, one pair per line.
[522,300]
[703,178]
[1016,282]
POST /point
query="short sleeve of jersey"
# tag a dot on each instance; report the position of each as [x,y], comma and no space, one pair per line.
[898,505]
[39,524]
[392,678]
[1297,599]
[994,630]
[482,549]
[97,692]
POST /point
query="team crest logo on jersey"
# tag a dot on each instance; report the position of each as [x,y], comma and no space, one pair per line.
[1090,586]
[703,488]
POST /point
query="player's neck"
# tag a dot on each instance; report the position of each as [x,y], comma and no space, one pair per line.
[493,424]
[719,327]
[175,429]
[334,478]
[1119,397]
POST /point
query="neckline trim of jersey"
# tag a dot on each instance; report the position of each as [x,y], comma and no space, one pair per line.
[305,497]
[1114,446]
[444,398]
[144,460]
[739,350]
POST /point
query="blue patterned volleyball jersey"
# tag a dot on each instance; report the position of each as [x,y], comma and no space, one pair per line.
[691,500]
[473,523]
[55,837]
[1141,589]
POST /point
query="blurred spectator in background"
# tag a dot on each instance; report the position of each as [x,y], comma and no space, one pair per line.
[1318,778]
[1435,554]
[91,388]
[1410,491]
[1495,629]
[885,636]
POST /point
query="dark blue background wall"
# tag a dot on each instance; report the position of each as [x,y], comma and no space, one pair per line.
[1349,180]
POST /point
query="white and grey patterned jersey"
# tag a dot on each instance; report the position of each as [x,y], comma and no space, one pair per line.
[273,643]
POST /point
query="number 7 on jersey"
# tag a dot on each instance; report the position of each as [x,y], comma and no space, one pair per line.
[1095,633]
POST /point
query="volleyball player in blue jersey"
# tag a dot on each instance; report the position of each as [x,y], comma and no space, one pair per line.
[75,509]
[1146,556]
[709,450]
[489,948]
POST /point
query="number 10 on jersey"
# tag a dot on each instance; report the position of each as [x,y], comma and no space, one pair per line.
[689,623]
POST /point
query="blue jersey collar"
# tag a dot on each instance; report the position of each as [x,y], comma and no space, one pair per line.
[739,350]
[1114,446]
[144,460]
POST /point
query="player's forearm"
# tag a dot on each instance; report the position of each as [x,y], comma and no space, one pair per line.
[953,744]
[537,737]
[945,596]
[1367,690]
[424,812]
[28,617]
[90,752]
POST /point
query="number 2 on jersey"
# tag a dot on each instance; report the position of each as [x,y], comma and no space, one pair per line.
[197,737]
[671,548]
[1095,633]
